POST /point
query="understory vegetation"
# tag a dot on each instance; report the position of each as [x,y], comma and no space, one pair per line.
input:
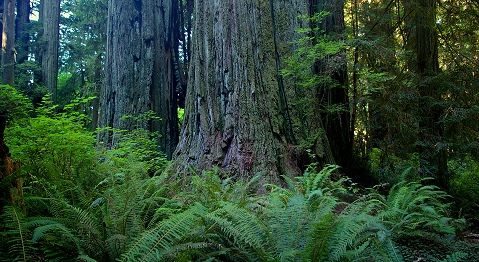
[81,202]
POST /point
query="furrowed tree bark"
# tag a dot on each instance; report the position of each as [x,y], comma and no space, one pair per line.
[8,42]
[139,70]
[238,111]
[50,20]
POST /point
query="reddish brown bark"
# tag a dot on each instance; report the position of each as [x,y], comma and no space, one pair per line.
[7,167]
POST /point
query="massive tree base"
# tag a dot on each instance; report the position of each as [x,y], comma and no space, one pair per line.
[239,110]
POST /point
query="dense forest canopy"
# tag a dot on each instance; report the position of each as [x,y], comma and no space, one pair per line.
[239,130]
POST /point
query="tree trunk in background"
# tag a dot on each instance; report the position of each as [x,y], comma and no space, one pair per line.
[139,70]
[96,87]
[184,21]
[1,21]
[8,43]
[337,124]
[238,111]
[50,39]
[381,26]
[431,143]
[21,30]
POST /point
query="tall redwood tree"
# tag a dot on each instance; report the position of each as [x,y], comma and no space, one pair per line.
[50,18]
[241,115]
[139,70]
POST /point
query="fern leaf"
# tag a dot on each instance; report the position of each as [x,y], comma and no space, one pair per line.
[393,252]
[239,224]
[19,246]
[164,235]
[319,237]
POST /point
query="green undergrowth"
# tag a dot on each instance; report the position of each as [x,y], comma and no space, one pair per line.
[81,203]
[210,217]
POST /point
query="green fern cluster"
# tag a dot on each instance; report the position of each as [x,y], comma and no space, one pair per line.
[305,222]
[210,217]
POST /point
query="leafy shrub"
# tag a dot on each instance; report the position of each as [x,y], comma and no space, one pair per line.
[139,144]
[54,149]
[390,169]
[13,104]
[57,155]
[464,187]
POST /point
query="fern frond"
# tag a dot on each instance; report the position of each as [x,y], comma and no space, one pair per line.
[288,222]
[17,234]
[19,227]
[40,231]
[393,252]
[322,177]
[164,235]
[86,258]
[240,225]
[350,232]
[411,207]
[319,237]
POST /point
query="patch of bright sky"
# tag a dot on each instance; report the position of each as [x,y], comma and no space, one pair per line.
[34,16]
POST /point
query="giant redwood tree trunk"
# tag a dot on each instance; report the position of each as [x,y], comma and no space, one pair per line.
[50,39]
[139,73]
[238,109]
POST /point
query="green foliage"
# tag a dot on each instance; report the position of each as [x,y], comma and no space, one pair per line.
[390,169]
[27,80]
[163,236]
[181,116]
[315,58]
[210,217]
[106,207]
[130,202]
[53,147]
[139,144]
[465,187]
[13,104]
